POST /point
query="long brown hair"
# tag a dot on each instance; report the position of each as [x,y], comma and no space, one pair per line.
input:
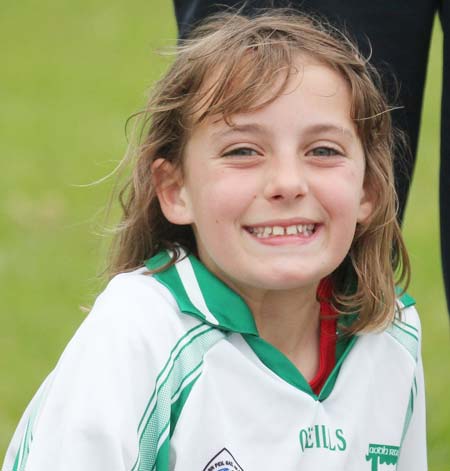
[247,57]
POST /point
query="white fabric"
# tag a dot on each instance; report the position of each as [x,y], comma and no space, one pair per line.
[238,410]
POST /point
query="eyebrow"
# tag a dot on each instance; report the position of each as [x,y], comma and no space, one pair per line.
[329,128]
[240,128]
[319,128]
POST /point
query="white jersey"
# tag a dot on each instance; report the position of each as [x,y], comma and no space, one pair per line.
[168,373]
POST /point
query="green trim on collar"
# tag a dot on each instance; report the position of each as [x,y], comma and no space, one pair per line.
[199,293]
[406,299]
[279,363]
[343,347]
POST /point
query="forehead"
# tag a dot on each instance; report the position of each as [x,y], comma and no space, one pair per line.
[224,92]
[305,89]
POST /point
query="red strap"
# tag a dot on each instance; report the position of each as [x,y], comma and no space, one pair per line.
[328,323]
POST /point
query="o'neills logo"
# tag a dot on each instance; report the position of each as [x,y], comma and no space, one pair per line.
[321,436]
[382,454]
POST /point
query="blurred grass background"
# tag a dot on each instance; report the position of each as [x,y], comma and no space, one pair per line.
[71,75]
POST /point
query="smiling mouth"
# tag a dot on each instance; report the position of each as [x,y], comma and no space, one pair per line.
[262,232]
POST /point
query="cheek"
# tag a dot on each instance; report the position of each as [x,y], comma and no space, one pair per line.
[224,198]
[342,197]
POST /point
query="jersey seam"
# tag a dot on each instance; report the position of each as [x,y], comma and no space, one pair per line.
[404,347]
[174,367]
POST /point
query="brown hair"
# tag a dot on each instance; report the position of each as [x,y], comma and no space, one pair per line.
[248,55]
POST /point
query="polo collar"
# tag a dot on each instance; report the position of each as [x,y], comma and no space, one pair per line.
[201,294]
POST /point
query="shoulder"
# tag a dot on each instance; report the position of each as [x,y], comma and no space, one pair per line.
[135,316]
[401,337]
[134,293]
[405,329]
[136,299]
[113,379]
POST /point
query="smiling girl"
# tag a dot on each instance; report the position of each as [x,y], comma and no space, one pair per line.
[252,322]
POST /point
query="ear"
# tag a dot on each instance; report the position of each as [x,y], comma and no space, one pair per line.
[171,192]
[366,205]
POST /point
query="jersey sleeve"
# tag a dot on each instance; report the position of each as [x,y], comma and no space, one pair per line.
[87,414]
[413,452]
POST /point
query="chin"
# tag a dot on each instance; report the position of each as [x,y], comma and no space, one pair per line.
[288,281]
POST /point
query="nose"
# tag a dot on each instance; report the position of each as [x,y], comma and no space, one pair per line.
[286,178]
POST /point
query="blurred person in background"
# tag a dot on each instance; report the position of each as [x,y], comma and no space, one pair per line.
[396,36]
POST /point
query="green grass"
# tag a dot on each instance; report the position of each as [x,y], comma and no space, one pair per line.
[71,75]
[421,231]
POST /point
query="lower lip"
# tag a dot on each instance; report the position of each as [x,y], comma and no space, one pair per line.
[298,239]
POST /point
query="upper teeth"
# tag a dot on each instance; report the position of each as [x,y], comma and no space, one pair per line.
[266,231]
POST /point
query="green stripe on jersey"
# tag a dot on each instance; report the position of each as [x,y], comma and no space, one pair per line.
[406,299]
[181,395]
[178,374]
[163,374]
[178,404]
[346,346]
[278,363]
[25,445]
[162,460]
[406,335]
[200,293]
[408,416]
[410,408]
[405,325]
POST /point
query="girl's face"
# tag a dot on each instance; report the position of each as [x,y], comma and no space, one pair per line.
[274,200]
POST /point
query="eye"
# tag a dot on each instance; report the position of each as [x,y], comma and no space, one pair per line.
[241,152]
[324,151]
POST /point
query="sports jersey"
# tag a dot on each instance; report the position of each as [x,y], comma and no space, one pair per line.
[168,372]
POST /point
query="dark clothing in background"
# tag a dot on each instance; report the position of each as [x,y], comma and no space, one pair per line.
[398,36]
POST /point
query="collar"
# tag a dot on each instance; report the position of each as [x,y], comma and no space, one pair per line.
[405,299]
[201,294]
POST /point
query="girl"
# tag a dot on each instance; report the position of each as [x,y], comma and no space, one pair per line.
[253,322]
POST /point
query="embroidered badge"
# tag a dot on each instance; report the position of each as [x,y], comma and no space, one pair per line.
[223,461]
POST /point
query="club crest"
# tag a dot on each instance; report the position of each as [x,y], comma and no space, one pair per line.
[223,461]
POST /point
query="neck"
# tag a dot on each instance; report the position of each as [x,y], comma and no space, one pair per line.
[290,321]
